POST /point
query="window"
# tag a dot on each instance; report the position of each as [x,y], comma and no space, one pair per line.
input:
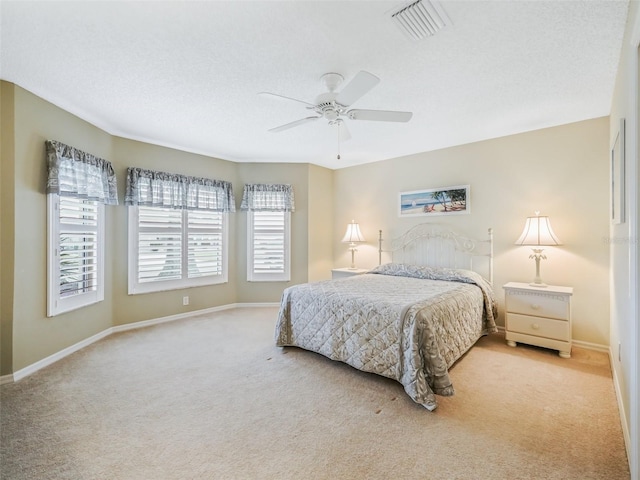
[268,210]
[78,186]
[76,258]
[178,230]
[171,248]
[268,249]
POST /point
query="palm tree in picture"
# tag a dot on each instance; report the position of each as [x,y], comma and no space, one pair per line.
[441,197]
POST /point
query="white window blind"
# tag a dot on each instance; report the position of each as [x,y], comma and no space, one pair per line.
[78,251]
[205,252]
[268,242]
[173,248]
[75,266]
[159,244]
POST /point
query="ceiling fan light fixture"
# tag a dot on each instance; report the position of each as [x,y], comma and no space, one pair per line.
[421,19]
[331,80]
[330,115]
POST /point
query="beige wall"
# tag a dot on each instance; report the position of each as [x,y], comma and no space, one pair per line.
[321,234]
[563,172]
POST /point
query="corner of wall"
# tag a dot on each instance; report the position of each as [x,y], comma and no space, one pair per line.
[320,251]
[7,228]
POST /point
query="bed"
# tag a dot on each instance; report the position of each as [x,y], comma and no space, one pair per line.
[409,319]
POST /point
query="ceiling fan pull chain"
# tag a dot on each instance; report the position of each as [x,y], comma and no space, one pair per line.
[338,129]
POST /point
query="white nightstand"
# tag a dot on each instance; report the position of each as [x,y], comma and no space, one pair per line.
[538,316]
[347,272]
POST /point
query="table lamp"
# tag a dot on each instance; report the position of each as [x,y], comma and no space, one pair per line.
[353,236]
[538,232]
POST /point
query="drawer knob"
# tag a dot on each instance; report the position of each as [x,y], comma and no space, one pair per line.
[535,326]
[535,306]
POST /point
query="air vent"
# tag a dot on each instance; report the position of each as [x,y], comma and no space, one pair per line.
[421,19]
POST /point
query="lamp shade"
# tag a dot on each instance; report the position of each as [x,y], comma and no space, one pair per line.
[538,231]
[353,234]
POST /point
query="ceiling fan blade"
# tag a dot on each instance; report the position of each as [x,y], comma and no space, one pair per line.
[380,115]
[269,94]
[287,126]
[357,87]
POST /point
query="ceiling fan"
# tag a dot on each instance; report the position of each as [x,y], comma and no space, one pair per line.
[334,106]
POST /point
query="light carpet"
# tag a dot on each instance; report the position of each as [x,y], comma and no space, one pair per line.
[212,397]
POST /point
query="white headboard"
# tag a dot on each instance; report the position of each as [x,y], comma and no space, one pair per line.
[439,246]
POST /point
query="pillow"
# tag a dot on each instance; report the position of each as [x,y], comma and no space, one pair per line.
[449,275]
[431,273]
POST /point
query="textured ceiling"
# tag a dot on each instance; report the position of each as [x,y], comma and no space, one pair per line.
[187,74]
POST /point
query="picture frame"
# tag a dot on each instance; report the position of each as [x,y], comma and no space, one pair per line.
[618,176]
[454,200]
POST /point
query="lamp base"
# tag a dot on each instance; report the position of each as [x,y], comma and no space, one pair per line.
[353,249]
[537,280]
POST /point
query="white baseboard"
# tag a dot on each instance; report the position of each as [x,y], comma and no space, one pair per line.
[45,362]
[170,318]
[623,416]
[591,346]
[257,305]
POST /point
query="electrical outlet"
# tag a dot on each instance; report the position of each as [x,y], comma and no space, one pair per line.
[185,300]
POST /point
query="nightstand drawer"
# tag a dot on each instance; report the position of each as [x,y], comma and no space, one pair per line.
[538,304]
[538,326]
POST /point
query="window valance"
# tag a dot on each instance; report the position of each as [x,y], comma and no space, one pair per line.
[170,190]
[74,173]
[260,197]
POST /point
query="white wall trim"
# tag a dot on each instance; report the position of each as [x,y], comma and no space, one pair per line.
[45,362]
[597,347]
[170,318]
[623,417]
[257,305]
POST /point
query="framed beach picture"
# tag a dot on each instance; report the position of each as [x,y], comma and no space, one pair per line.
[617,177]
[435,201]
